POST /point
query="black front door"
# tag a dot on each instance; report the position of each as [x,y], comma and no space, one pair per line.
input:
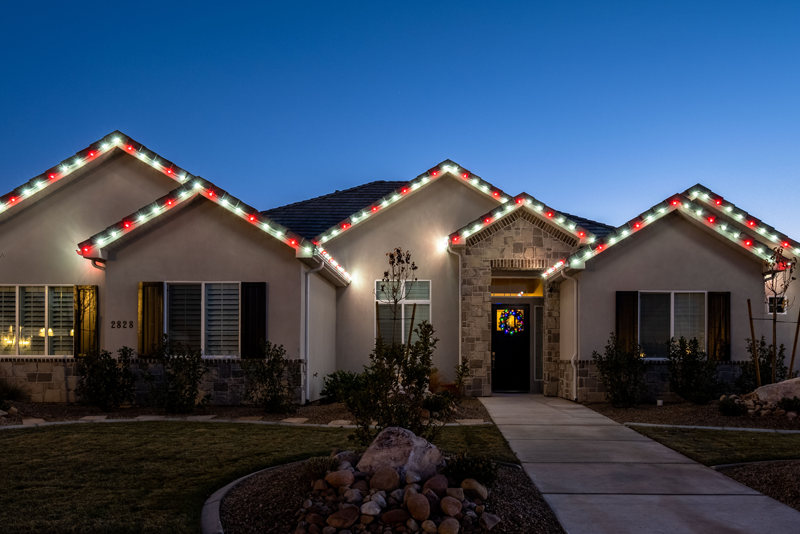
[511,347]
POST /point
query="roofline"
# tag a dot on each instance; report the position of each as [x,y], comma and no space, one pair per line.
[687,204]
[445,167]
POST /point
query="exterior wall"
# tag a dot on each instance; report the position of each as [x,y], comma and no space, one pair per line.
[39,239]
[201,242]
[419,224]
[322,334]
[521,241]
[55,379]
[672,254]
[553,365]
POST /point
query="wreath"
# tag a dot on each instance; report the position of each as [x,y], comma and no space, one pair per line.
[511,322]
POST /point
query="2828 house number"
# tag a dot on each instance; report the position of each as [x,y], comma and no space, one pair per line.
[121,324]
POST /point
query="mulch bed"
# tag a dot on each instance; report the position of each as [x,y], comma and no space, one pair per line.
[316,412]
[779,480]
[691,414]
[267,503]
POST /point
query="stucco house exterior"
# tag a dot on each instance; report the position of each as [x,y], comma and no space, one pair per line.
[117,246]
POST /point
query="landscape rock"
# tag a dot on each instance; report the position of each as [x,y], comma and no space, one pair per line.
[775,392]
[315,519]
[3,414]
[367,519]
[403,451]
[437,484]
[347,456]
[450,506]
[488,521]
[398,494]
[419,507]
[12,411]
[371,508]
[329,530]
[474,489]
[779,413]
[320,485]
[791,415]
[412,477]
[385,478]
[353,495]
[398,515]
[456,493]
[449,526]
[378,498]
[361,485]
[344,517]
[337,479]
[429,526]
[314,529]
[432,498]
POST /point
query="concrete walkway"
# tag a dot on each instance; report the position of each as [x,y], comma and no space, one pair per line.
[600,477]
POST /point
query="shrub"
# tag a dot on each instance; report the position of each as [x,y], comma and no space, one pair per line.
[183,368]
[13,391]
[462,373]
[393,389]
[271,380]
[477,466]
[435,381]
[691,374]
[440,402]
[104,381]
[790,405]
[621,370]
[731,407]
[339,386]
[316,468]
[746,381]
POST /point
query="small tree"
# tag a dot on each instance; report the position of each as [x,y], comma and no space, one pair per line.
[271,380]
[778,276]
[397,281]
[621,370]
[691,374]
[183,369]
[104,381]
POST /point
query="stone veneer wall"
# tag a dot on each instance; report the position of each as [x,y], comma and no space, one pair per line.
[55,379]
[521,241]
[591,389]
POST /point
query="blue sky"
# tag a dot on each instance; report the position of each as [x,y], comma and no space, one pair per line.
[598,108]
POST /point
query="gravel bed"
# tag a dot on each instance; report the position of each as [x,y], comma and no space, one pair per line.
[266,503]
[316,412]
[691,414]
[779,480]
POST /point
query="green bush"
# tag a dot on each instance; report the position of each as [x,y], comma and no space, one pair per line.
[790,405]
[621,370]
[339,386]
[13,391]
[271,380]
[477,466]
[691,374]
[746,381]
[318,467]
[393,389]
[462,373]
[731,407]
[105,381]
[184,369]
[440,402]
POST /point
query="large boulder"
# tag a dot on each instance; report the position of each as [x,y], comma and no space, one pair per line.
[775,392]
[403,451]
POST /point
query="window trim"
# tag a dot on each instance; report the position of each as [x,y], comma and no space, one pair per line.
[402,304]
[672,293]
[46,322]
[203,315]
[766,305]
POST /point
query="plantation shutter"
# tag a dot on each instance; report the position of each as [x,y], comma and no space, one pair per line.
[719,326]
[254,318]
[31,320]
[222,319]
[151,318]
[627,323]
[184,323]
[8,320]
[86,313]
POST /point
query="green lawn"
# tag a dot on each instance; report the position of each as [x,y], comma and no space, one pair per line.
[717,447]
[154,477]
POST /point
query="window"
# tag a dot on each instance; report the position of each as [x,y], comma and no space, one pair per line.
[395,328]
[204,316]
[781,305]
[37,320]
[665,315]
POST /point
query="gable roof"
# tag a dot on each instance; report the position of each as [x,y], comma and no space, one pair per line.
[310,218]
[407,189]
[703,206]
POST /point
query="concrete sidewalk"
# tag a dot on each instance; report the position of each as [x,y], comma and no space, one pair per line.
[600,477]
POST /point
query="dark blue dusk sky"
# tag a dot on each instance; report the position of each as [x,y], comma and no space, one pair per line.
[598,108]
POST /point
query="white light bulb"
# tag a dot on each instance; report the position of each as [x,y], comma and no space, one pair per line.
[141,218]
[116,141]
[196,185]
[114,233]
[105,146]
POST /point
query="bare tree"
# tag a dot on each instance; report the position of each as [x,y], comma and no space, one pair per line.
[397,281]
[778,277]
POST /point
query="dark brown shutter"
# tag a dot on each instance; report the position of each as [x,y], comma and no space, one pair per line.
[254,318]
[719,326]
[151,317]
[627,324]
[86,333]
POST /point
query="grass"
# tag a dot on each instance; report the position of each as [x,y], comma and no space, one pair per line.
[717,447]
[155,476]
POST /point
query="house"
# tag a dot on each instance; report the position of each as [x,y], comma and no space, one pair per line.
[118,246]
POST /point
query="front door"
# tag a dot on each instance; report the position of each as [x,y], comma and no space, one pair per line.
[511,347]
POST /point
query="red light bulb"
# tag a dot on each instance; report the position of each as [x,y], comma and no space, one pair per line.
[487,220]
[374,208]
[711,219]
[676,202]
[637,225]
[345,226]
[252,218]
[211,193]
[434,173]
[747,242]
[600,247]
[465,175]
[549,213]
[86,249]
[91,154]
[293,242]
[129,148]
[12,199]
[405,190]
[718,202]
[496,194]
[169,202]
[52,176]
[127,225]
[519,201]
[169,171]
[581,234]
[751,223]
[786,244]
[455,239]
